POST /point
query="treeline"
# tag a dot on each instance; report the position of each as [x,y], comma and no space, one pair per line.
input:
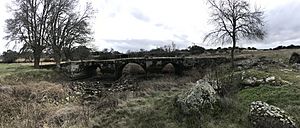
[191,50]
[287,47]
[75,54]
[85,53]
[165,51]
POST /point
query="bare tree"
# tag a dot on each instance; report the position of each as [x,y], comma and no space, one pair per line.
[234,20]
[68,27]
[28,25]
[173,46]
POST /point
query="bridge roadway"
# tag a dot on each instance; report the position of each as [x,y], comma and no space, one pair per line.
[150,65]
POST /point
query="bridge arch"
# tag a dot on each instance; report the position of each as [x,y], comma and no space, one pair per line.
[130,69]
[168,69]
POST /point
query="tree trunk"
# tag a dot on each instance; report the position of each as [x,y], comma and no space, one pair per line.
[57,59]
[68,54]
[37,58]
[232,51]
[57,56]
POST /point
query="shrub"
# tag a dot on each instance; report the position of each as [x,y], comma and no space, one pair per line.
[82,53]
[196,49]
[295,58]
[10,56]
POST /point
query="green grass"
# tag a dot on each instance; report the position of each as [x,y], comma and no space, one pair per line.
[14,73]
[6,69]
[280,96]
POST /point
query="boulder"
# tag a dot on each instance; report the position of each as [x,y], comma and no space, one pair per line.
[263,115]
[168,69]
[133,69]
[246,64]
[201,96]
[296,66]
[295,58]
[252,82]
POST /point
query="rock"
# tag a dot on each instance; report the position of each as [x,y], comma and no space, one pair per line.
[270,79]
[254,78]
[260,63]
[295,58]
[133,69]
[169,69]
[267,60]
[252,82]
[201,96]
[283,65]
[248,63]
[296,66]
[263,115]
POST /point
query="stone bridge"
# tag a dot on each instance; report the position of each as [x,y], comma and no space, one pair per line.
[89,68]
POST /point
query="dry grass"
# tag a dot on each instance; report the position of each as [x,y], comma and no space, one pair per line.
[28,105]
[279,55]
[28,96]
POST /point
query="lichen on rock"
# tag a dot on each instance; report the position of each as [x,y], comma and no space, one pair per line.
[201,96]
[263,115]
[253,78]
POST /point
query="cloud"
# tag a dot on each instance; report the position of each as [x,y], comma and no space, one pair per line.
[283,22]
[139,15]
[137,44]
[181,37]
[166,27]
[134,44]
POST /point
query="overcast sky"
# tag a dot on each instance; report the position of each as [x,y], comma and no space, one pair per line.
[145,24]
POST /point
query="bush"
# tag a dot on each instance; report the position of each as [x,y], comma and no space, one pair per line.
[295,58]
[196,49]
[10,56]
[82,53]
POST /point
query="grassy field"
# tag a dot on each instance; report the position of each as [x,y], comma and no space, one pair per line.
[42,98]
